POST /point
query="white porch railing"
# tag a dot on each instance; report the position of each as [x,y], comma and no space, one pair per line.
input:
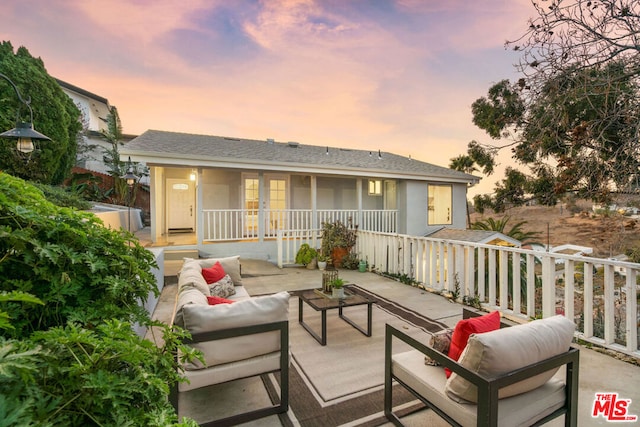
[249,224]
[519,282]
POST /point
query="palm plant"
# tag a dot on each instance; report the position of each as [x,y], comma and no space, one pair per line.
[516,232]
[500,225]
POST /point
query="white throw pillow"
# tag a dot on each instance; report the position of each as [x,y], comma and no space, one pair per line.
[498,352]
[222,288]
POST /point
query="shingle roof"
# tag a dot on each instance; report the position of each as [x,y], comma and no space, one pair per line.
[476,236]
[154,145]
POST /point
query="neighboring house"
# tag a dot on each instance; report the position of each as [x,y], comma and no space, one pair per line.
[242,191]
[486,237]
[94,109]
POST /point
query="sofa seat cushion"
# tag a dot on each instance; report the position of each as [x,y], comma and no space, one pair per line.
[230,371]
[520,410]
[494,353]
[253,311]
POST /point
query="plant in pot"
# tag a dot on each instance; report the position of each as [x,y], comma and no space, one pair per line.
[322,260]
[337,240]
[337,288]
[307,256]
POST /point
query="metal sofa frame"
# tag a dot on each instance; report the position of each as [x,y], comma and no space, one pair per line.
[278,408]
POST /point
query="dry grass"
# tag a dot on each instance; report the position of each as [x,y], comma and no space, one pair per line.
[608,235]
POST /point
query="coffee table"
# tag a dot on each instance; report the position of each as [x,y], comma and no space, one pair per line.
[324,303]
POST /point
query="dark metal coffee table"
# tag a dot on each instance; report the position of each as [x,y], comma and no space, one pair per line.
[322,303]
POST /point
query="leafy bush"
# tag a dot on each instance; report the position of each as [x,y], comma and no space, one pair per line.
[69,291]
[61,197]
[78,377]
[82,271]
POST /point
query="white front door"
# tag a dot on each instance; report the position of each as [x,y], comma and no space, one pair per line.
[181,200]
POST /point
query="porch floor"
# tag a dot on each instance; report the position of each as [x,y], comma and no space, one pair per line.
[599,373]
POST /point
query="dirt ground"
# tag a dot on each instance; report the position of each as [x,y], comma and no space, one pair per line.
[608,235]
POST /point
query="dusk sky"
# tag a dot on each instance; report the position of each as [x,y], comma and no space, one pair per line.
[390,75]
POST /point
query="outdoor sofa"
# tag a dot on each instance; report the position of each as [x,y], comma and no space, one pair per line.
[245,338]
[507,377]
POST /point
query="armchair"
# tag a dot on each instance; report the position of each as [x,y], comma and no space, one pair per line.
[484,393]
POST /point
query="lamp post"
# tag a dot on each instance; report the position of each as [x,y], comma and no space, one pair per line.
[130,179]
[24,132]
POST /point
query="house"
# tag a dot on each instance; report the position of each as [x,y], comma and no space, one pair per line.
[94,109]
[243,192]
[486,237]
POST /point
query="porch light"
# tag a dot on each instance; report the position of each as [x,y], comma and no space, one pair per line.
[192,176]
[23,133]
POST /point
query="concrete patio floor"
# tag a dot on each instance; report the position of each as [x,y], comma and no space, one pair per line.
[599,373]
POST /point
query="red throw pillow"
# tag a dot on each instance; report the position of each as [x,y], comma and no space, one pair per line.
[213,300]
[214,273]
[464,328]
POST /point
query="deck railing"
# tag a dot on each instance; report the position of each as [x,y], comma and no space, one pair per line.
[250,224]
[599,295]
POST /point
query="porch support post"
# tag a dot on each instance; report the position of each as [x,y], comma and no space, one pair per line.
[261,204]
[199,213]
[313,182]
[359,197]
[157,203]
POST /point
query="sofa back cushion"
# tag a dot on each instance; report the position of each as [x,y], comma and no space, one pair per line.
[498,352]
[254,311]
[230,265]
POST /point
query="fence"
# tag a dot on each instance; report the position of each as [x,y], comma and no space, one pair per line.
[599,295]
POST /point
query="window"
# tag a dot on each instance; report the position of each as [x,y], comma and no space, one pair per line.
[375,187]
[439,204]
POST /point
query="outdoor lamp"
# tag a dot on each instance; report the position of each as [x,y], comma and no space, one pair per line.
[24,132]
[130,177]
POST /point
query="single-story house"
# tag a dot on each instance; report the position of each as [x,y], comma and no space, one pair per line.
[243,192]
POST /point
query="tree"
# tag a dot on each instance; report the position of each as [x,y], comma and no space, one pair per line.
[54,114]
[573,118]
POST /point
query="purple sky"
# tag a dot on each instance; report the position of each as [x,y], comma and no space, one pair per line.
[397,76]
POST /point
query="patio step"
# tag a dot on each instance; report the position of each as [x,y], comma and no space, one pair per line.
[179,254]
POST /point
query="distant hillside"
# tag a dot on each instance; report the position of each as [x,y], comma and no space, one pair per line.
[607,235]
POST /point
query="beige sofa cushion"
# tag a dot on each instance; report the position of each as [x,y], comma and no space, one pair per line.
[231,266]
[497,352]
[520,410]
[254,311]
[191,275]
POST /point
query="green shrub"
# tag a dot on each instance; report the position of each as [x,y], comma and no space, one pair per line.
[61,197]
[80,270]
[73,376]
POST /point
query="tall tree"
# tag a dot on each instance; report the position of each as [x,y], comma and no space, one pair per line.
[573,119]
[54,114]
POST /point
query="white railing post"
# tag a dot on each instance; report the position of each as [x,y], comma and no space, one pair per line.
[631,321]
[548,286]
[609,306]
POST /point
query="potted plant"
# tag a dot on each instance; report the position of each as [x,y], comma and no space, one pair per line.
[337,240]
[337,289]
[307,256]
[322,260]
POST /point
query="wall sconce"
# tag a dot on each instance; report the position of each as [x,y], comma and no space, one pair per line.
[192,176]
[23,133]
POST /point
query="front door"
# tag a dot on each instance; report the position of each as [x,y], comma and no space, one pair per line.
[181,200]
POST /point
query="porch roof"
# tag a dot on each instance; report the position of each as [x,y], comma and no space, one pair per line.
[189,150]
